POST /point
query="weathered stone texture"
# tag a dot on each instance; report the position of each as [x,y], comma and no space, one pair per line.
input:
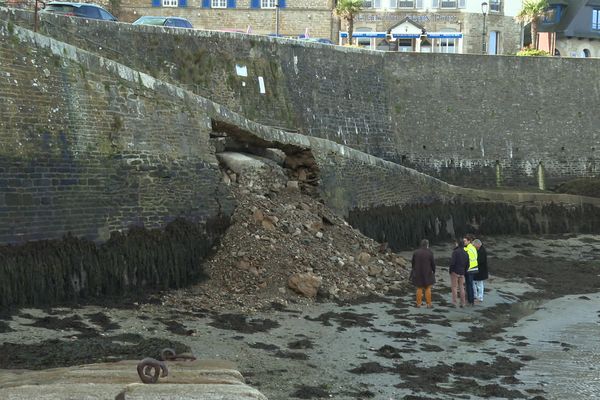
[474,120]
[86,153]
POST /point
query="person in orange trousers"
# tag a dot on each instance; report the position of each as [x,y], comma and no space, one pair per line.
[422,274]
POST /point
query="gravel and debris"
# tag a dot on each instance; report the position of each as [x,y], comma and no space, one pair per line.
[285,246]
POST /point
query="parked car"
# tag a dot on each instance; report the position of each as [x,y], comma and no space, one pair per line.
[319,40]
[173,22]
[83,10]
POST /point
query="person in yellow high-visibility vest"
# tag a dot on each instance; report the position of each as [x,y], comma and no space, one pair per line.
[471,269]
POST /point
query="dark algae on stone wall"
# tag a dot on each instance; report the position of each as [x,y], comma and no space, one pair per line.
[404,227]
[74,269]
[582,187]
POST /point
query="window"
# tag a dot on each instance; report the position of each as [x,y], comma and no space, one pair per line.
[549,16]
[495,5]
[446,44]
[169,3]
[218,4]
[446,4]
[552,15]
[596,19]
[89,12]
[393,4]
[587,53]
[376,3]
[363,42]
[367,4]
[405,45]
[267,3]
[106,16]
[406,4]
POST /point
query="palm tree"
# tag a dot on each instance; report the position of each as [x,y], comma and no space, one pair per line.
[530,13]
[347,10]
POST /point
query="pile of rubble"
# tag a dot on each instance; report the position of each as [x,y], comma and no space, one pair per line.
[285,246]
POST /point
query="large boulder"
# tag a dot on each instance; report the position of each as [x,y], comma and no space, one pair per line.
[305,284]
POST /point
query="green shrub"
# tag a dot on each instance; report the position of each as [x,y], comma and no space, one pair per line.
[533,53]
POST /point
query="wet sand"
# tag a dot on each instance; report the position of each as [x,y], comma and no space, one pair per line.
[542,295]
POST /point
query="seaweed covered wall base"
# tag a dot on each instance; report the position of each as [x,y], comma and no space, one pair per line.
[403,227]
[74,269]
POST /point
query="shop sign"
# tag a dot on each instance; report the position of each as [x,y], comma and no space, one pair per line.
[418,18]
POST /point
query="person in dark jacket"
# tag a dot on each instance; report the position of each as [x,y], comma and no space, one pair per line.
[422,274]
[482,274]
[458,266]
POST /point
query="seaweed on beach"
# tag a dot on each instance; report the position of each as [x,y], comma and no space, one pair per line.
[64,353]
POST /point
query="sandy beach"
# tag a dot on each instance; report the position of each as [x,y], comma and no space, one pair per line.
[532,337]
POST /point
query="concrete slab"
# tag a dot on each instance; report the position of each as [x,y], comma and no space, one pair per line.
[200,379]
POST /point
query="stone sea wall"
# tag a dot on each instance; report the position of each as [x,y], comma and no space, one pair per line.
[471,120]
[108,184]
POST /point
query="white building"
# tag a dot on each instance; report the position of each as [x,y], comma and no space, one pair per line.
[444,26]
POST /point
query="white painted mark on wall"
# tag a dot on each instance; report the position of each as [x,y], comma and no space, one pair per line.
[296,64]
[241,70]
[261,85]
[481,147]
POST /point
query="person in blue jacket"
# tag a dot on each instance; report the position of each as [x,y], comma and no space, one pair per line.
[459,262]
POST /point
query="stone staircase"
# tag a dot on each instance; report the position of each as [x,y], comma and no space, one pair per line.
[190,380]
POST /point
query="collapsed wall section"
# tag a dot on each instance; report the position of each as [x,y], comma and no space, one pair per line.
[400,206]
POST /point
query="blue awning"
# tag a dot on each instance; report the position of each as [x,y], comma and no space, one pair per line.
[430,35]
[364,34]
[444,35]
[406,35]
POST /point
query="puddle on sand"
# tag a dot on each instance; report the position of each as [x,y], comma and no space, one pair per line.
[567,353]
[525,308]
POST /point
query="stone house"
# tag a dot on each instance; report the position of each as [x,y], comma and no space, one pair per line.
[447,26]
[571,28]
[439,26]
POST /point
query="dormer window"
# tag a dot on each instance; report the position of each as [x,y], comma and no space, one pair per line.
[494,6]
[449,3]
[553,14]
[445,4]
[596,19]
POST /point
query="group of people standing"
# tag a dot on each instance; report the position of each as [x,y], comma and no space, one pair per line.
[468,271]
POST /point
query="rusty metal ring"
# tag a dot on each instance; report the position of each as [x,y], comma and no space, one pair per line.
[168,354]
[149,370]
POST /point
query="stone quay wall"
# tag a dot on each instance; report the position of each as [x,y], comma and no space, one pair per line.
[472,120]
[109,185]
[146,141]
[85,152]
